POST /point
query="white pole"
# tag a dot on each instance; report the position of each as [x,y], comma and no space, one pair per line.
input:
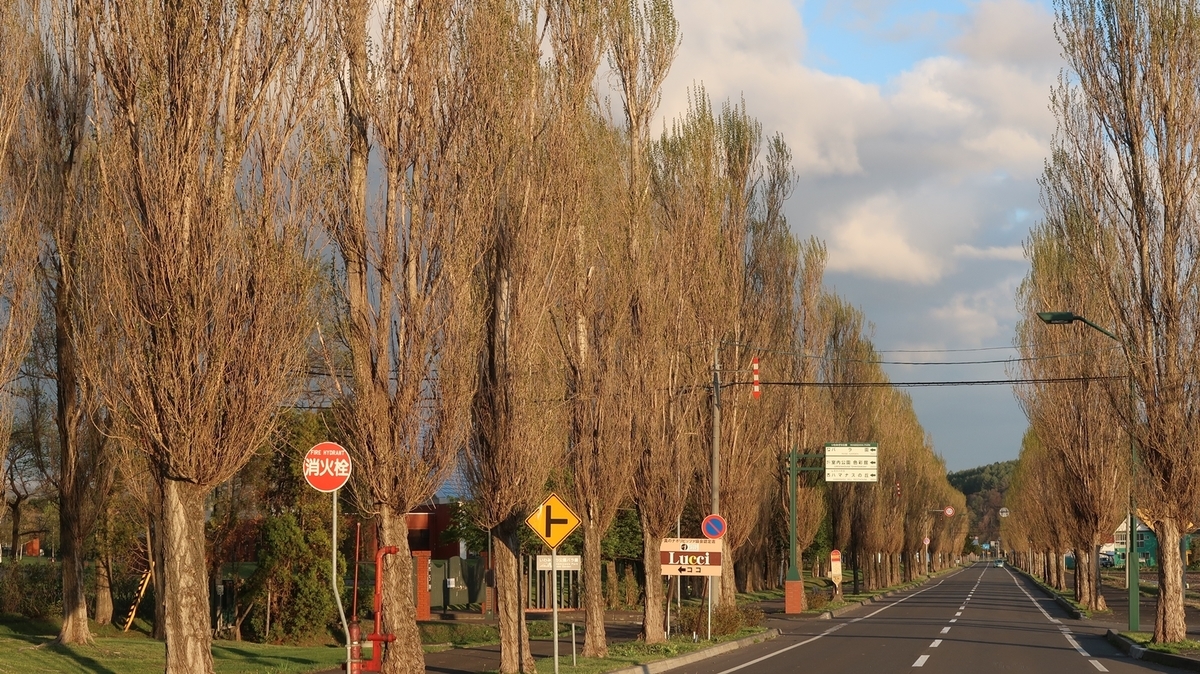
[573,662]
[333,580]
[668,611]
[554,592]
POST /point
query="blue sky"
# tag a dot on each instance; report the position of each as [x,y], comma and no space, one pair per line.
[919,130]
[873,41]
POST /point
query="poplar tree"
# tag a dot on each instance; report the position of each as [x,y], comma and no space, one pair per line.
[1121,180]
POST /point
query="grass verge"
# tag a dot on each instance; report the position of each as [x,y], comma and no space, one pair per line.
[25,646]
[1187,647]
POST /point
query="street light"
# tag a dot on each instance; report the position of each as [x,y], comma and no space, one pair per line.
[1131,556]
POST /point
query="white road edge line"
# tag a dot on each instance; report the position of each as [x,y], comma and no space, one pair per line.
[921,661]
[1066,631]
[835,628]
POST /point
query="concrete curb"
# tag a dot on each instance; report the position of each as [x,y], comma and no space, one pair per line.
[1142,653]
[1058,598]
[696,656]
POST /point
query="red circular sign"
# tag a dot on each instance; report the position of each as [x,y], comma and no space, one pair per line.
[949,511]
[835,556]
[327,467]
[925,540]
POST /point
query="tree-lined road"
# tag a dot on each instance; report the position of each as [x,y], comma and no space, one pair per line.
[980,619]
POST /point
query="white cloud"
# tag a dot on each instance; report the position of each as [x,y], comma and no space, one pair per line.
[870,240]
[1009,253]
[896,178]
[980,316]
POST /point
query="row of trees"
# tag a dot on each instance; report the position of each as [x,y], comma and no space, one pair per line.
[1118,245]
[428,218]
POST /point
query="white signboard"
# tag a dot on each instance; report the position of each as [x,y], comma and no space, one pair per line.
[561,563]
[851,462]
[690,557]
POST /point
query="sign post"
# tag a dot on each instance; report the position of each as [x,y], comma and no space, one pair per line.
[693,557]
[713,528]
[327,468]
[793,600]
[835,569]
[553,521]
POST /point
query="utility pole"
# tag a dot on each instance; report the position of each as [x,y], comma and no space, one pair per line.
[715,503]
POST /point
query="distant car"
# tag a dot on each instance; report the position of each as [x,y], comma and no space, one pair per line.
[998,563]
[1106,561]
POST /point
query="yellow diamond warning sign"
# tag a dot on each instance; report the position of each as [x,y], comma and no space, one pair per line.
[553,521]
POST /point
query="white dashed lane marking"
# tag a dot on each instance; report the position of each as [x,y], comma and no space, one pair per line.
[835,628]
[921,661]
[945,630]
[936,643]
[1098,665]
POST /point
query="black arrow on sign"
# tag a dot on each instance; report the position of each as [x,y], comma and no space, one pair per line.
[550,522]
[682,569]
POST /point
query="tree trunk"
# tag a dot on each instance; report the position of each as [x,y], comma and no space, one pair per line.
[727,583]
[1083,590]
[595,642]
[514,635]
[653,616]
[404,655]
[104,605]
[74,628]
[610,584]
[158,576]
[189,641]
[1169,623]
[631,586]
[15,507]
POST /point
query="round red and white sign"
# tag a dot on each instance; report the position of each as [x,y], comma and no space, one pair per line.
[949,511]
[925,540]
[327,467]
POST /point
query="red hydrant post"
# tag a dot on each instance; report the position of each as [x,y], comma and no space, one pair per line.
[378,639]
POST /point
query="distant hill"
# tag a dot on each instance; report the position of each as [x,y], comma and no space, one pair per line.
[984,488]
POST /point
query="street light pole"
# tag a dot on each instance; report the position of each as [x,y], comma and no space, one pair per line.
[1131,554]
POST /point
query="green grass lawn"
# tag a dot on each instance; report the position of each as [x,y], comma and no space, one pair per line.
[25,647]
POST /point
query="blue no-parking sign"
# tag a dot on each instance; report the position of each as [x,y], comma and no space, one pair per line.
[713,527]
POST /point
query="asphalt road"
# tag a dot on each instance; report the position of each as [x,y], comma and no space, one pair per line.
[980,619]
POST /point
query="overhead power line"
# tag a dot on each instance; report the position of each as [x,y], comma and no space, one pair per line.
[920,384]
